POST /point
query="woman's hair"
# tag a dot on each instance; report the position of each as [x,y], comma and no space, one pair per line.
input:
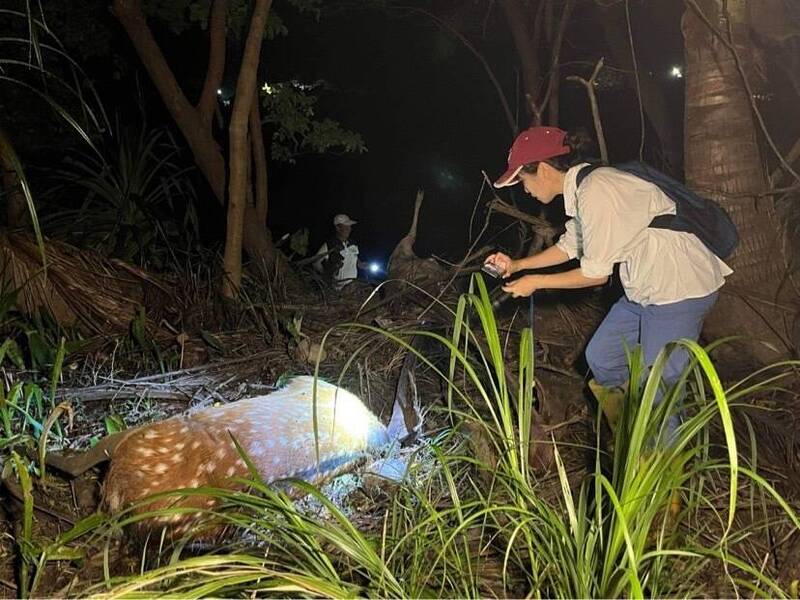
[580,144]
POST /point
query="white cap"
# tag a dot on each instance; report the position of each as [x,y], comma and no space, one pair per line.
[343,220]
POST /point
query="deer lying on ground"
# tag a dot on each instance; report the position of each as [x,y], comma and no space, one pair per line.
[275,431]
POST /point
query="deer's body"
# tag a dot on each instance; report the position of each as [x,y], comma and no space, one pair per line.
[276,431]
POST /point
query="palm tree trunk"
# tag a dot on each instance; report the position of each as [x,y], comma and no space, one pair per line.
[723,162]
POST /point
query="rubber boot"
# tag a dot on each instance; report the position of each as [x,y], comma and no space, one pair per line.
[675,506]
[610,400]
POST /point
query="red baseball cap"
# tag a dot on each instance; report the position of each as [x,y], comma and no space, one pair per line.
[532,145]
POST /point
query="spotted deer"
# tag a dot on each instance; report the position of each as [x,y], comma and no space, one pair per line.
[275,431]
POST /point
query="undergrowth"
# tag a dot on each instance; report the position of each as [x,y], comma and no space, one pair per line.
[646,523]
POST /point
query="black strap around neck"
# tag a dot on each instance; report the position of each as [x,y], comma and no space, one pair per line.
[585,172]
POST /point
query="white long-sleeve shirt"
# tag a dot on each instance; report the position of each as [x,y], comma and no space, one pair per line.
[610,214]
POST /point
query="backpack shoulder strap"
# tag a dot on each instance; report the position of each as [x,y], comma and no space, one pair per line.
[585,172]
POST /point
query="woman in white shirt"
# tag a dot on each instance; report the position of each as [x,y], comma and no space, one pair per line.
[670,277]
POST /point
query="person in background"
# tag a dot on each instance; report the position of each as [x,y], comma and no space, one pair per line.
[338,257]
[670,278]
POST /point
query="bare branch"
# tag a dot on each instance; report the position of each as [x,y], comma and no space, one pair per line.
[598,124]
[542,226]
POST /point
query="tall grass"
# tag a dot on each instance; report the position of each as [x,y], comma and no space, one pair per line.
[39,65]
[463,526]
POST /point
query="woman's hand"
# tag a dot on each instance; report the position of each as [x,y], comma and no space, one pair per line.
[522,287]
[503,262]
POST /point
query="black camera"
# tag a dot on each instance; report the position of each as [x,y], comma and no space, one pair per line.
[492,269]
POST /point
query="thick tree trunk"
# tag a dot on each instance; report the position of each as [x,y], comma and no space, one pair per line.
[195,122]
[722,161]
[240,149]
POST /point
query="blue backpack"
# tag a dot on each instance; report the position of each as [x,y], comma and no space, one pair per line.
[693,214]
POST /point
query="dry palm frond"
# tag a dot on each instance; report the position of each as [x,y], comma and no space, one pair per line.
[81,288]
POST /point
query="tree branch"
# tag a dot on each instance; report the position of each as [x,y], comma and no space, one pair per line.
[130,15]
[205,150]
[541,225]
[216,61]
[598,124]
[527,45]
[551,96]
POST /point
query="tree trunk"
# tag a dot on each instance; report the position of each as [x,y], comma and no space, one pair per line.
[240,149]
[259,163]
[554,80]
[527,45]
[722,161]
[519,16]
[195,122]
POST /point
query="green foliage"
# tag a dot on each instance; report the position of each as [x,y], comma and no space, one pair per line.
[38,67]
[25,405]
[30,341]
[7,150]
[10,349]
[462,525]
[291,109]
[142,339]
[25,546]
[137,202]
[114,424]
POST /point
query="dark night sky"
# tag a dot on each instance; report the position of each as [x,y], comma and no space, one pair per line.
[422,102]
[430,118]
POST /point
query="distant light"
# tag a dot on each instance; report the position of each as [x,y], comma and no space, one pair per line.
[676,72]
[374,268]
[219,91]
